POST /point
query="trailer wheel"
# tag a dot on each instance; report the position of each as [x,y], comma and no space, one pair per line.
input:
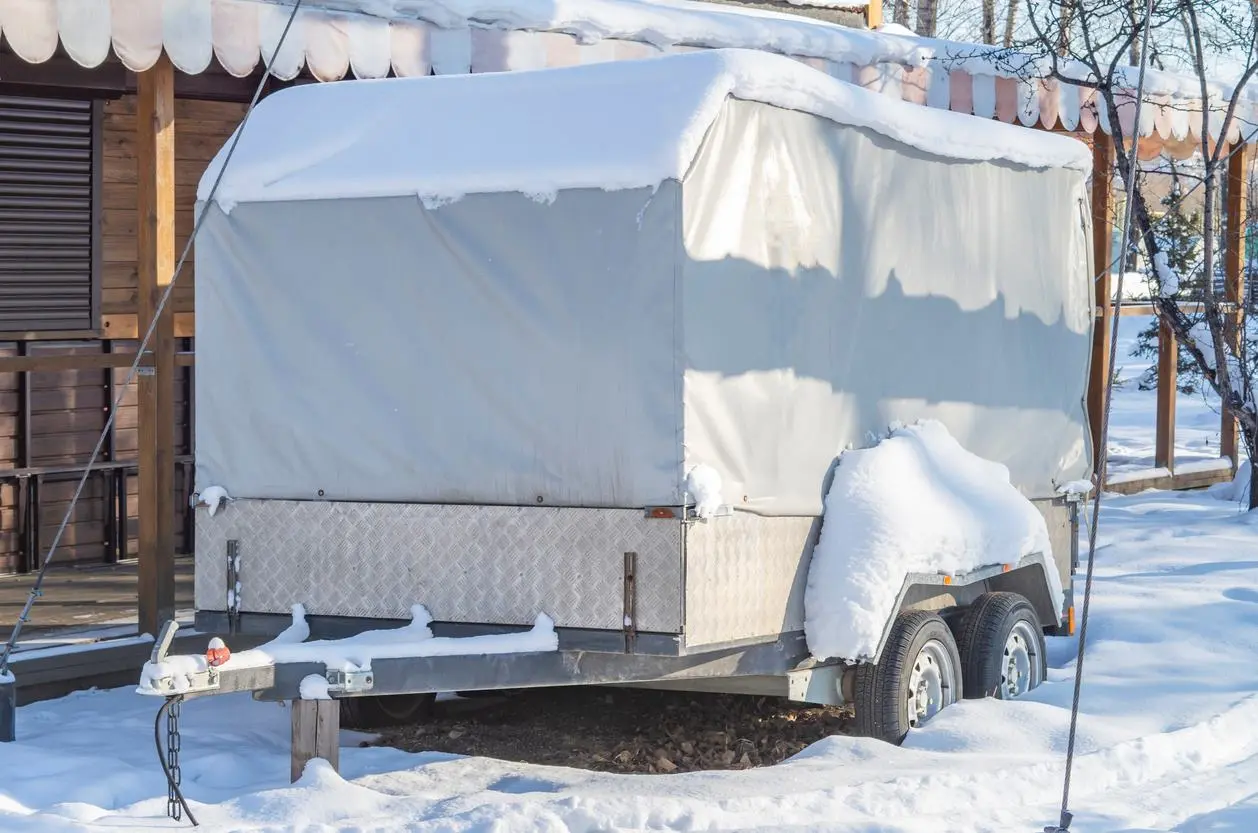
[385,710]
[1002,647]
[919,674]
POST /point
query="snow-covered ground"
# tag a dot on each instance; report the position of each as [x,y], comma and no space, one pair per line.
[1168,732]
[1131,422]
[1169,737]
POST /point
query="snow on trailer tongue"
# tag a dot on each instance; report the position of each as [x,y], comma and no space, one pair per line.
[915,503]
[173,674]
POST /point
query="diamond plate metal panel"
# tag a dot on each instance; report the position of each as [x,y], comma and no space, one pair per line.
[745,577]
[482,564]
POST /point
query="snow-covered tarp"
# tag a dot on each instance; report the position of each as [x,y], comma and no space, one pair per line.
[917,502]
[352,653]
[570,287]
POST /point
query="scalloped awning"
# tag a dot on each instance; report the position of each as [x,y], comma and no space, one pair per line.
[333,43]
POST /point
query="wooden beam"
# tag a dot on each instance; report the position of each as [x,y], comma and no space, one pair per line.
[1234,276]
[1195,478]
[123,325]
[49,335]
[1190,308]
[1102,223]
[83,361]
[316,734]
[873,14]
[1168,387]
[155,198]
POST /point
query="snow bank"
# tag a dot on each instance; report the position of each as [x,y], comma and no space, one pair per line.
[353,653]
[1236,489]
[832,4]
[915,503]
[616,125]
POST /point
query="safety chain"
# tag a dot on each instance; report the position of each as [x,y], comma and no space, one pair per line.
[174,807]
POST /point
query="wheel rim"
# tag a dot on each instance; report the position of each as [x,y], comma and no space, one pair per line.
[1020,667]
[930,683]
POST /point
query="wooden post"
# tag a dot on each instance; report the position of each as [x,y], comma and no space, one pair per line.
[316,734]
[1168,385]
[873,14]
[8,708]
[1102,224]
[1234,276]
[155,204]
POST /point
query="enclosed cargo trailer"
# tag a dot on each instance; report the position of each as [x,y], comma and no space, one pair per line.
[461,341]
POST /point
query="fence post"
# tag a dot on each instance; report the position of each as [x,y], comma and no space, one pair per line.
[8,708]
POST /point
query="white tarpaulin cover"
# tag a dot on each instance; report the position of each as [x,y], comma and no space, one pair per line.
[570,286]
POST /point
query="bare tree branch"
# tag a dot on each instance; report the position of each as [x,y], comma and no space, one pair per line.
[1105,35]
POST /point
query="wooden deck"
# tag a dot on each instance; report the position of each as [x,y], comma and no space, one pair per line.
[1195,475]
[82,631]
[83,599]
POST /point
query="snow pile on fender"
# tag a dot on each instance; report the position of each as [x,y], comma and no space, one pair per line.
[915,503]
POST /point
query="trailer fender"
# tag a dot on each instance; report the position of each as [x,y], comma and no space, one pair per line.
[950,593]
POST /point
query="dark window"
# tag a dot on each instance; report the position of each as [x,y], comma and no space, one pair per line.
[47,160]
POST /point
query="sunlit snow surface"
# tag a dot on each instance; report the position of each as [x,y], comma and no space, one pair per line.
[1168,733]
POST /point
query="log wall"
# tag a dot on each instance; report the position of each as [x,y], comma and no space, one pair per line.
[50,420]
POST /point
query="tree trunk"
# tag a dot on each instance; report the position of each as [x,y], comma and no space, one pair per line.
[927,15]
[1063,26]
[1133,55]
[1250,442]
[901,13]
[1011,19]
[989,22]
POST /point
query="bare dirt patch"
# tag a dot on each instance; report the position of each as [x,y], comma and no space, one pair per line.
[622,730]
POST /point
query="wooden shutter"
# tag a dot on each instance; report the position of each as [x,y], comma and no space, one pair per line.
[46,179]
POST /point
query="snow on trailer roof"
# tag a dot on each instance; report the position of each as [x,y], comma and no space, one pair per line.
[614,126]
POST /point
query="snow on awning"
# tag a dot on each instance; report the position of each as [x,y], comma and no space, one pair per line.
[335,39]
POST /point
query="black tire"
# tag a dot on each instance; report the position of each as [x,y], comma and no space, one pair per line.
[983,634]
[383,711]
[881,690]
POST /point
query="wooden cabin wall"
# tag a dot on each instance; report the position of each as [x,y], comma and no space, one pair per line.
[69,408]
[201,128]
